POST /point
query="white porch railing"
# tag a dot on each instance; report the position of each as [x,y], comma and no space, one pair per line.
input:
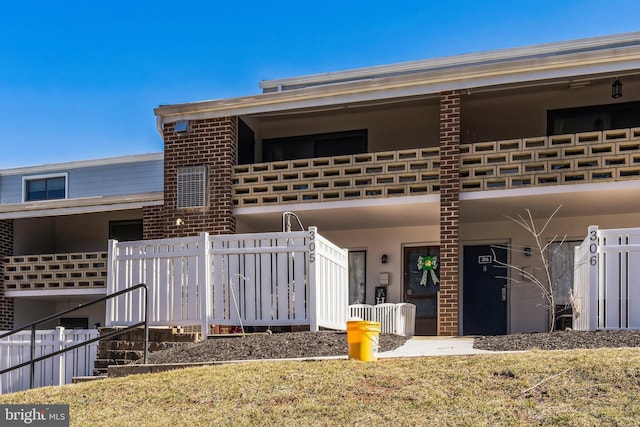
[396,319]
[606,284]
[266,279]
[57,370]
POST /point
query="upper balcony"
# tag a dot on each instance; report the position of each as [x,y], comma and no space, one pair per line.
[589,157]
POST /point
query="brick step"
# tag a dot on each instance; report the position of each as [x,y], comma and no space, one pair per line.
[76,380]
[104,363]
[120,354]
[106,346]
[155,334]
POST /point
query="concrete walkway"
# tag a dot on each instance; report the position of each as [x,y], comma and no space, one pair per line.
[434,346]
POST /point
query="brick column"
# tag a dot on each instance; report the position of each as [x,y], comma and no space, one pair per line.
[210,142]
[449,212]
[152,223]
[6,249]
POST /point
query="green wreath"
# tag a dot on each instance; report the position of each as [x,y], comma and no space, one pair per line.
[428,265]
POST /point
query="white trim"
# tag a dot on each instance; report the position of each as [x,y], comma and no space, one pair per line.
[29,178]
[603,57]
[432,198]
[82,164]
[54,293]
[78,206]
[558,189]
[542,50]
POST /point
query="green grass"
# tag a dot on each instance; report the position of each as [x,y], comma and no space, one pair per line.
[580,387]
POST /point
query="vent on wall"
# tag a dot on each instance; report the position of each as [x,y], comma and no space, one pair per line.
[182,127]
[192,185]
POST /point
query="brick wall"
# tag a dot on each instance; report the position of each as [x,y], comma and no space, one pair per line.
[6,249]
[210,142]
[449,211]
[153,223]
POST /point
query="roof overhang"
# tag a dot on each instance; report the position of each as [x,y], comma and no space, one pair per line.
[80,205]
[109,161]
[610,55]
[57,294]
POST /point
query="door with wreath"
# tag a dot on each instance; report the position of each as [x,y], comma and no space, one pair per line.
[421,285]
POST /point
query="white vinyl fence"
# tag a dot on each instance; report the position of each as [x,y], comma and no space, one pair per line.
[265,279]
[396,319]
[57,370]
[606,285]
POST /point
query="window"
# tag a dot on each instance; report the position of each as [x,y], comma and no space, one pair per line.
[192,185]
[45,188]
[126,231]
[593,118]
[357,277]
[319,145]
[561,256]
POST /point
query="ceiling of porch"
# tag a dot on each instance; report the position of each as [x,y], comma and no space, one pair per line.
[586,200]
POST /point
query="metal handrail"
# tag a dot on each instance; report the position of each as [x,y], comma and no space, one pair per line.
[33,325]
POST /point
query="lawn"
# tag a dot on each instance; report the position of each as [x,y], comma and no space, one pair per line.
[578,387]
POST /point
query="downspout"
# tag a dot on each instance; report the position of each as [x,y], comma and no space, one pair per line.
[160,125]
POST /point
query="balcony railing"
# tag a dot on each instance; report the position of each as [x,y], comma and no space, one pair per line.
[589,157]
[352,177]
[612,155]
[80,270]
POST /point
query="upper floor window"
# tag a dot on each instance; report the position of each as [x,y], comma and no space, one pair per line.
[192,187]
[318,145]
[45,188]
[593,118]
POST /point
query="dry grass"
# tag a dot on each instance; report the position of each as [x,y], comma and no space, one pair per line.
[580,387]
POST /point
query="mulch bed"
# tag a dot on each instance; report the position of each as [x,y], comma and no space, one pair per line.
[560,340]
[289,345]
[284,345]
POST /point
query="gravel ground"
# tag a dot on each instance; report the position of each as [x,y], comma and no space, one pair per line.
[267,346]
[560,340]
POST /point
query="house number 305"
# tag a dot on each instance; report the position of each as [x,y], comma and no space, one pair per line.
[312,246]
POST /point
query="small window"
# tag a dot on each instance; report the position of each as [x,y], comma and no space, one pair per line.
[192,186]
[357,277]
[45,188]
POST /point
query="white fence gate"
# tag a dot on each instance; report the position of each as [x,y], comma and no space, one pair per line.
[399,319]
[265,279]
[606,284]
[56,370]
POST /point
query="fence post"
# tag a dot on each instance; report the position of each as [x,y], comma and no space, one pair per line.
[314,287]
[205,283]
[592,277]
[61,359]
[111,283]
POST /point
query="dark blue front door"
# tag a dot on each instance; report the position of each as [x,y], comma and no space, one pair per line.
[484,310]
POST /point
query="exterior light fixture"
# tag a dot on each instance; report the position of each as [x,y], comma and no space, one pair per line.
[616,89]
[384,259]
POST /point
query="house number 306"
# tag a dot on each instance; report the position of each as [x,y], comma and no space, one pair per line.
[593,247]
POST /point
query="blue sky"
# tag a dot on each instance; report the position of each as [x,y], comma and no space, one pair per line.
[80,79]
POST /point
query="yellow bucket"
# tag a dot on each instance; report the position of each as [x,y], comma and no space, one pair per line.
[362,338]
